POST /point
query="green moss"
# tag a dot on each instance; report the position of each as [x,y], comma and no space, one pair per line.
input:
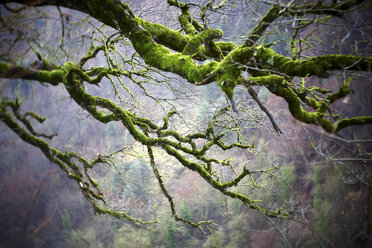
[359,120]
[278,86]
[316,66]
[228,73]
[256,33]
[226,85]
[53,77]
[11,71]
[163,35]
[161,58]
[203,37]
[186,25]
[226,47]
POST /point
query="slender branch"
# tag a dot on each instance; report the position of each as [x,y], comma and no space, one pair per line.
[254,96]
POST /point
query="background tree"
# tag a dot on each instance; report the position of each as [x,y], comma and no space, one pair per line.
[148,75]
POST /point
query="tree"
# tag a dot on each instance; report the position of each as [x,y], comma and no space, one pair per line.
[197,52]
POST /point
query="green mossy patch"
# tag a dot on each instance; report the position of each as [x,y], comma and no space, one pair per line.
[161,58]
[203,37]
[163,35]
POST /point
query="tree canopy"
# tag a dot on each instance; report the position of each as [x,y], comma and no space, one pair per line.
[281,50]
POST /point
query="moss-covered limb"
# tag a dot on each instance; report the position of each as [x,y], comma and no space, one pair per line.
[53,155]
[197,136]
[130,121]
[320,105]
[193,166]
[186,22]
[178,4]
[118,15]
[209,6]
[11,71]
[343,91]
[239,145]
[166,119]
[238,179]
[168,196]
[277,11]
[161,58]
[8,120]
[179,146]
[203,172]
[198,27]
[88,102]
[64,161]
[189,139]
[185,19]
[164,36]
[316,66]
[37,117]
[272,15]
[205,36]
[74,71]
[229,70]
[347,122]
[226,47]
[124,216]
[197,153]
[92,53]
[46,65]
[334,9]
[216,50]
[213,50]
[250,203]
[209,161]
[15,108]
[278,86]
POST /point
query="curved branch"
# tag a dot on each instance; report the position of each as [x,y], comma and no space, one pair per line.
[280,87]
[277,11]
[11,71]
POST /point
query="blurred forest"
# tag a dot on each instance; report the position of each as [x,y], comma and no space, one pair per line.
[321,178]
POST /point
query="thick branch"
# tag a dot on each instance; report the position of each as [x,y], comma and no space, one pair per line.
[11,71]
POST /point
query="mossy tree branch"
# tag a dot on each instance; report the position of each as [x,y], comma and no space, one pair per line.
[280,87]
[183,149]
[69,163]
[277,11]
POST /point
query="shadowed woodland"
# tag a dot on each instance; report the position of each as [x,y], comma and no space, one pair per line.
[185,123]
